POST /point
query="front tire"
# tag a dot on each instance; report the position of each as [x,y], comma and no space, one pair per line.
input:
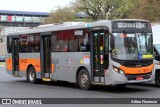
[84,81]
[31,75]
[157,80]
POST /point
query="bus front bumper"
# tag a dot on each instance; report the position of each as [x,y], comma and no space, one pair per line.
[127,79]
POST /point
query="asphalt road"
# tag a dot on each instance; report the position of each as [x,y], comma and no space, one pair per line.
[13,87]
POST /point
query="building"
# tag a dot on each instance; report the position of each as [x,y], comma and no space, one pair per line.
[11,21]
[21,18]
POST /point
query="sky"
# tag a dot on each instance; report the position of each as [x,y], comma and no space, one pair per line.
[32,5]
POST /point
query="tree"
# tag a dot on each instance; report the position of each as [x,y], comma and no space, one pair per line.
[125,9]
[147,9]
[107,9]
[60,15]
[97,9]
[119,9]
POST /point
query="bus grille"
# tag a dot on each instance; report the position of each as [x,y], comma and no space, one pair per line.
[133,77]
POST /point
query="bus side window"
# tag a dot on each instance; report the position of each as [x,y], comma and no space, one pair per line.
[37,48]
[24,44]
[67,41]
[53,42]
[9,44]
[65,48]
[37,43]
[73,42]
[84,43]
[57,48]
[31,43]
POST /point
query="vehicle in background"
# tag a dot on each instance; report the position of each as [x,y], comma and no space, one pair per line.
[2,58]
[156,42]
[116,52]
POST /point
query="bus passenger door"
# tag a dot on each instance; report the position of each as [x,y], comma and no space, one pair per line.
[46,57]
[99,54]
[15,56]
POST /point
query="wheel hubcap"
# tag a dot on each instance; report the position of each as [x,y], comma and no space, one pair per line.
[84,79]
[31,75]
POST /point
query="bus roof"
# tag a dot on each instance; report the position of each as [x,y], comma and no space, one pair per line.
[65,26]
[132,20]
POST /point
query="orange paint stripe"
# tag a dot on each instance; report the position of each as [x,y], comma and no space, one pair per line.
[9,64]
[24,62]
[140,70]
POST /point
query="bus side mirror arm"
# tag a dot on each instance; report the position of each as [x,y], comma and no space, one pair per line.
[112,45]
[110,50]
[154,54]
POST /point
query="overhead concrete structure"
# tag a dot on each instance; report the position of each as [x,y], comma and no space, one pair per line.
[12,21]
[21,18]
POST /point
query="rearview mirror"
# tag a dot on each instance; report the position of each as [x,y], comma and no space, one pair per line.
[157,57]
[154,54]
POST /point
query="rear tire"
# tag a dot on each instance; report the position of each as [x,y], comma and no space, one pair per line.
[31,75]
[84,81]
[157,80]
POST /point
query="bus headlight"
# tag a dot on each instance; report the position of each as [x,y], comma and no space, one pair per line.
[119,71]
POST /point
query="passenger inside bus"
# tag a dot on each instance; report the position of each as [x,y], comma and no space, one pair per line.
[65,49]
[132,48]
[37,48]
[58,48]
[24,48]
[84,45]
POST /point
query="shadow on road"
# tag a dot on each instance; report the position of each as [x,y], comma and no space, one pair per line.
[147,85]
[112,89]
[109,89]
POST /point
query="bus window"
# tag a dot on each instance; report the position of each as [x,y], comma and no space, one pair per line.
[34,43]
[24,46]
[53,42]
[31,43]
[66,41]
[65,47]
[37,43]
[84,44]
[62,41]
[73,42]
[9,44]
[73,45]
[56,41]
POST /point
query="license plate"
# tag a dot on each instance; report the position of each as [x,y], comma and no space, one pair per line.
[139,78]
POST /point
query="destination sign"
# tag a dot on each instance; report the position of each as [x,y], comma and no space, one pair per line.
[137,25]
[131,25]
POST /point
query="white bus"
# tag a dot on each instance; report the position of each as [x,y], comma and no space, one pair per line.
[105,52]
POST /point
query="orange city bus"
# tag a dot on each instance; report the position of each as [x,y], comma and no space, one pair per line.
[116,52]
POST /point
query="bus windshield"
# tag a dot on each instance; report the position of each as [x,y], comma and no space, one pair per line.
[132,46]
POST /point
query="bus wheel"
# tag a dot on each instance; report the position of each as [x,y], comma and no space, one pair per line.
[84,79]
[158,80]
[31,75]
[120,85]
